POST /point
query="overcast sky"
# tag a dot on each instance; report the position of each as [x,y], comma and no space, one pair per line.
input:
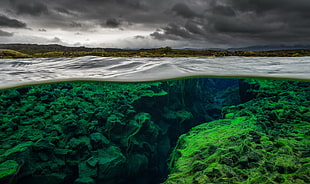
[155,23]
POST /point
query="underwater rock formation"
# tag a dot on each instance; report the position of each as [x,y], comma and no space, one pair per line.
[265,140]
[94,132]
[88,132]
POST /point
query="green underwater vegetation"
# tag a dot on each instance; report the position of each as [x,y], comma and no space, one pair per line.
[92,132]
[213,131]
[265,140]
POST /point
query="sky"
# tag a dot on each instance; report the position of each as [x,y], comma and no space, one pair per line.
[156,23]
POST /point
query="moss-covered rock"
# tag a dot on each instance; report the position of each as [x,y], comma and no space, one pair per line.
[8,169]
[88,132]
[265,140]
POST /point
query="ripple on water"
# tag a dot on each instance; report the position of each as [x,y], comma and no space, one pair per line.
[17,72]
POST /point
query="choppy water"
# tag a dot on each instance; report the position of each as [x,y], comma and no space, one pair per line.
[17,72]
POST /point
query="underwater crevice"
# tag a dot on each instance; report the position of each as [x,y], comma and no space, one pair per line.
[96,132]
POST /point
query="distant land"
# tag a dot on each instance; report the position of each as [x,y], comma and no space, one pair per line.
[259,48]
[8,51]
[270,48]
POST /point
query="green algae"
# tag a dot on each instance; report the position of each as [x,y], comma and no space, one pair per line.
[8,168]
[113,132]
[265,140]
[52,128]
[94,132]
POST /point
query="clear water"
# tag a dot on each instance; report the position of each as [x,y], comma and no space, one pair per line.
[16,72]
[82,131]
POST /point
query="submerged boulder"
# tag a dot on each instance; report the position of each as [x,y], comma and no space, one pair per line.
[237,158]
[261,141]
[110,163]
[7,170]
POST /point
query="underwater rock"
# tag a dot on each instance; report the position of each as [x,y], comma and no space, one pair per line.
[286,164]
[61,152]
[86,173]
[14,95]
[250,145]
[114,125]
[86,180]
[120,133]
[98,140]
[110,163]
[50,178]
[43,145]
[8,170]
[81,143]
[21,151]
[92,161]
[137,163]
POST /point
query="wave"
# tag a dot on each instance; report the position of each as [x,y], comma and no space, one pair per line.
[21,72]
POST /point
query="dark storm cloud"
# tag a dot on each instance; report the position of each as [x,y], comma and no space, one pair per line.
[261,6]
[183,10]
[204,21]
[12,23]
[194,28]
[105,13]
[246,21]
[223,10]
[174,32]
[30,7]
[4,33]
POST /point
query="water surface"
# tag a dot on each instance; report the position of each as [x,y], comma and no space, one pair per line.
[16,72]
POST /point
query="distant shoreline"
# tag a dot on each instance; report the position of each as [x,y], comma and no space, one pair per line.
[14,51]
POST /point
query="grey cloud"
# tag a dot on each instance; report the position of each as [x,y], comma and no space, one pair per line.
[242,26]
[223,10]
[112,23]
[4,33]
[194,28]
[30,7]
[158,36]
[172,32]
[177,30]
[246,21]
[56,40]
[261,6]
[139,37]
[13,23]
[63,10]
[183,10]
[163,36]
[186,21]
[76,24]
[108,13]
